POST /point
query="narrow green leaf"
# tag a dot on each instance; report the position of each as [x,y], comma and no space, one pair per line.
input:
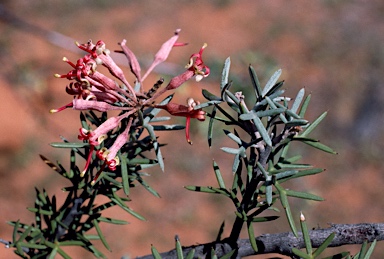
[53,253]
[265,219]
[191,254]
[285,204]
[268,113]
[363,250]
[25,233]
[225,73]
[210,126]
[15,228]
[221,231]
[285,174]
[206,104]
[62,253]
[89,246]
[263,132]
[370,250]
[73,243]
[112,221]
[100,233]
[292,114]
[41,211]
[303,195]
[236,163]
[147,187]
[232,97]
[207,189]
[213,254]
[300,253]
[168,127]
[103,207]
[320,146]
[271,82]
[19,249]
[298,100]
[219,178]
[313,125]
[124,173]
[262,169]
[233,137]
[233,151]
[179,249]
[268,190]
[209,96]
[255,82]
[304,106]
[296,122]
[228,255]
[324,245]
[304,230]
[122,205]
[110,179]
[156,145]
[92,237]
[69,145]
[293,166]
[303,173]
[251,235]
[155,111]
[159,119]
[140,161]
[32,245]
[273,96]
[155,253]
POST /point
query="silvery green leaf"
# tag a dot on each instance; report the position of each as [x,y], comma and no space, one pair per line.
[225,73]
[271,82]
[298,100]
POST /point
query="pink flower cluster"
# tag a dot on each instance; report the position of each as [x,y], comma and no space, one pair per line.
[93,90]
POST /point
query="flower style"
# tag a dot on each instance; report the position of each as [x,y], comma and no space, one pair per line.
[187,111]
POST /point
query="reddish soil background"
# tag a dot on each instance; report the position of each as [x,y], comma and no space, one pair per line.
[332,48]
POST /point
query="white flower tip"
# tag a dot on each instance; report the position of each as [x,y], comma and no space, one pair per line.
[199,78]
[302,218]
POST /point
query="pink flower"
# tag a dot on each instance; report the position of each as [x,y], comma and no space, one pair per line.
[187,111]
[101,56]
[195,67]
[164,51]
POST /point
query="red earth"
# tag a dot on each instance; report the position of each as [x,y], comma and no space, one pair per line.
[332,48]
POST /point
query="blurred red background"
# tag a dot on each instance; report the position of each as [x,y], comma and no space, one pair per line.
[332,48]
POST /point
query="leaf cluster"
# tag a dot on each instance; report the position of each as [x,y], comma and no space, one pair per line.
[261,136]
[70,224]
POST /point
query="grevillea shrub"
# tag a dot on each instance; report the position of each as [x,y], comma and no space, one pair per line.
[118,149]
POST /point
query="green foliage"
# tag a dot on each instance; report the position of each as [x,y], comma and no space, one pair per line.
[57,226]
[261,136]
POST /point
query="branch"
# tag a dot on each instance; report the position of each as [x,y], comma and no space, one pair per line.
[282,243]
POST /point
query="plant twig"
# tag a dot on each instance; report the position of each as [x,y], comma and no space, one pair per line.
[282,243]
